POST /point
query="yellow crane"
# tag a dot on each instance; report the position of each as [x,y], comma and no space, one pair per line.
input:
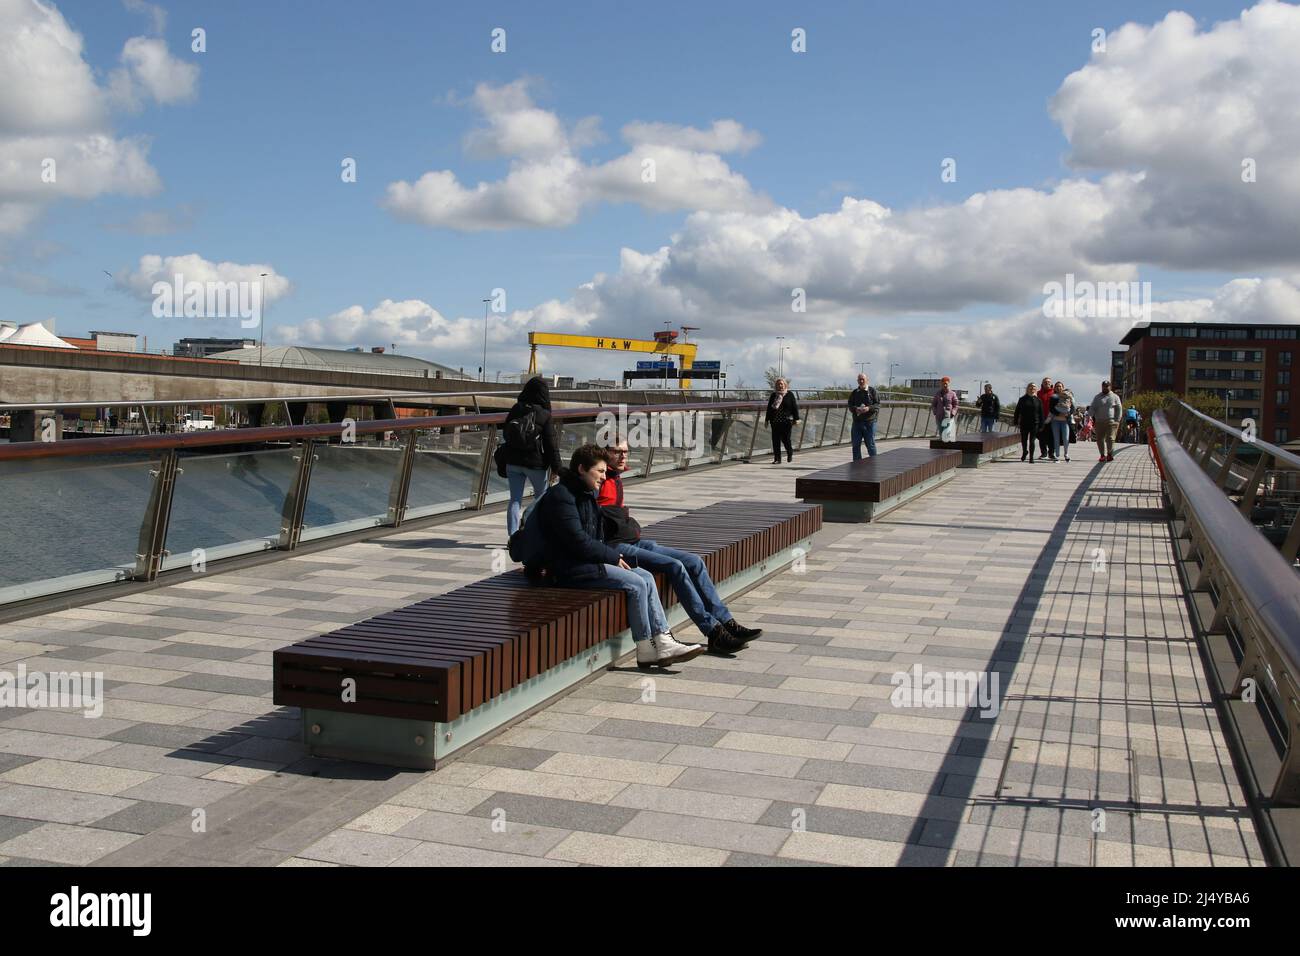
[663,343]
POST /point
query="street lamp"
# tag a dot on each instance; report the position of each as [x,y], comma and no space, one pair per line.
[892,366]
[780,355]
[261,333]
[483,371]
[862,367]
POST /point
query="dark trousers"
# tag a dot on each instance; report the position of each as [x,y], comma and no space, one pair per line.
[1044,441]
[1027,437]
[781,436]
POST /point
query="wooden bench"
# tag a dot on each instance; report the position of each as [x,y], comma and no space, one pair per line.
[867,489]
[979,447]
[408,687]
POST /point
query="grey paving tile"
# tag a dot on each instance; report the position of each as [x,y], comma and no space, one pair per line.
[177,737]
[218,684]
[496,755]
[207,652]
[652,730]
[144,817]
[557,814]
[757,859]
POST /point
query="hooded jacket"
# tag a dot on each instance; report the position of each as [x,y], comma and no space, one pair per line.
[535,395]
[573,534]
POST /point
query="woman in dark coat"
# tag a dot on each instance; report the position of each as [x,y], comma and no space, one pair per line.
[782,415]
[527,461]
[1029,419]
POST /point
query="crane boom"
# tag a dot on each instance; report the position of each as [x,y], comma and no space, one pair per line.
[607,343]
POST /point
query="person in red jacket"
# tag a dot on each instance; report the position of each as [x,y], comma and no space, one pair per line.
[685,571]
[1045,393]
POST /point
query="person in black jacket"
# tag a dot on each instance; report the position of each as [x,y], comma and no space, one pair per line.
[1028,418]
[864,406]
[575,554]
[528,461]
[782,415]
[990,408]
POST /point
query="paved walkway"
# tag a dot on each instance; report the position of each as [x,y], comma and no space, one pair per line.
[1105,749]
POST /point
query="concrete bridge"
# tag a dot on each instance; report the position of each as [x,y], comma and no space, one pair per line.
[1058,580]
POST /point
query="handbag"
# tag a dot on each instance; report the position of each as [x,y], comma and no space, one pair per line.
[619,525]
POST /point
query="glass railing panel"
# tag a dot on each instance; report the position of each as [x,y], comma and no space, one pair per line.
[740,435]
[834,425]
[667,434]
[70,522]
[228,504]
[445,472]
[350,485]
[706,438]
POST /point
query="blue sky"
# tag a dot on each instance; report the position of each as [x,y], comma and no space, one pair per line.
[251,164]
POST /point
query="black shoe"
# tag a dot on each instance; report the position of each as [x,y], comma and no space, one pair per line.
[789,458]
[1023,457]
[743,633]
[721,641]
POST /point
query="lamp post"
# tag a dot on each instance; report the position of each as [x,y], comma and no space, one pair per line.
[780,355]
[261,332]
[892,366]
[483,371]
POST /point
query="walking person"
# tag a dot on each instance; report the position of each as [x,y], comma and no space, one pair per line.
[529,447]
[944,408]
[1029,419]
[1107,409]
[864,406]
[684,570]
[1062,412]
[1045,393]
[575,554]
[990,408]
[782,415]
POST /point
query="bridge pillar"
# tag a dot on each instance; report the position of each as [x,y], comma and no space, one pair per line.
[255,415]
[298,412]
[30,425]
[337,411]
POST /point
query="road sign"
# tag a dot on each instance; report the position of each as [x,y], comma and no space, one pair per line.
[644,366]
[707,365]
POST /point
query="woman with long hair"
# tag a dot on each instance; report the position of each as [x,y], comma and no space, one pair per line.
[782,415]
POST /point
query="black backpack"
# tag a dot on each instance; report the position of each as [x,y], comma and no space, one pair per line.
[525,432]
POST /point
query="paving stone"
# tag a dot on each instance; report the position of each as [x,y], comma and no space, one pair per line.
[223,685]
[64,844]
[557,814]
[144,817]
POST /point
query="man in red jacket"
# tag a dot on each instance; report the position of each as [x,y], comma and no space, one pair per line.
[685,571]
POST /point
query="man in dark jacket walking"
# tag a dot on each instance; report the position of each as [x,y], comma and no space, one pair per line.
[864,406]
[990,408]
[1028,418]
[529,446]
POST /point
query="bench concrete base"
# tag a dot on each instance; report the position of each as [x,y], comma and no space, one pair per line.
[970,459]
[860,511]
[424,744]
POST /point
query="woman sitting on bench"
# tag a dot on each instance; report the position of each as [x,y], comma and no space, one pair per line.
[575,555]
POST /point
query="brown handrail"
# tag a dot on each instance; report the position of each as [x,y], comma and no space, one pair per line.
[18,451]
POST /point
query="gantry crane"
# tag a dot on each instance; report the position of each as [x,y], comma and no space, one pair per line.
[663,343]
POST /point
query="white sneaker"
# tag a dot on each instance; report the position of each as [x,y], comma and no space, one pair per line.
[662,649]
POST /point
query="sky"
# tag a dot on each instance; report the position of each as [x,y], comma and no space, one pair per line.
[914,176]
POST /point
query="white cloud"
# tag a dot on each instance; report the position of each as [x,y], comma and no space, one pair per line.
[150,71]
[194,268]
[51,108]
[548,186]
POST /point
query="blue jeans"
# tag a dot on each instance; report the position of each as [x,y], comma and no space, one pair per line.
[645,615]
[516,475]
[1060,438]
[687,575]
[864,430]
[987,423]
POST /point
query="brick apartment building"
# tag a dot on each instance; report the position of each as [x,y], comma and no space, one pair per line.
[1249,366]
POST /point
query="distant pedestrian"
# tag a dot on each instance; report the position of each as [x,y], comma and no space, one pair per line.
[782,415]
[944,409]
[528,447]
[1029,419]
[990,408]
[864,406]
[1045,393]
[1062,412]
[1106,410]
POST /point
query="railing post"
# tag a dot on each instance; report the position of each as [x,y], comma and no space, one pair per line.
[152,546]
[1252,487]
[1291,545]
[1226,470]
[753,435]
[727,418]
[295,500]
[401,486]
[844,423]
[484,475]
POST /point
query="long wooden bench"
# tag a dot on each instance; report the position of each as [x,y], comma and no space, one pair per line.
[867,489]
[410,686]
[979,447]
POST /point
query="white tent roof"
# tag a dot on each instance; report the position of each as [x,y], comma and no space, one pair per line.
[6,331]
[36,334]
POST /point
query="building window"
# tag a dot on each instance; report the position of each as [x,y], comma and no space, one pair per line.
[1284,396]
[1164,376]
[1284,358]
[1284,378]
[1164,356]
[1282,414]
[1161,332]
[1281,436]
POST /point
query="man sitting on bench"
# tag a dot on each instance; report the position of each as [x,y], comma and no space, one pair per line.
[684,570]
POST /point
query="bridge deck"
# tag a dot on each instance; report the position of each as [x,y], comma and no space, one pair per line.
[791,752]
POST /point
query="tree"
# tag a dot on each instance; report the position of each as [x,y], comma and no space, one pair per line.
[771,374]
[1147,403]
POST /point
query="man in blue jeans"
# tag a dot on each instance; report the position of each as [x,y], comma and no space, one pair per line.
[864,406]
[990,408]
[685,571]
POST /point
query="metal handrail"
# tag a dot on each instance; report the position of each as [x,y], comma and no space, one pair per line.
[1256,592]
